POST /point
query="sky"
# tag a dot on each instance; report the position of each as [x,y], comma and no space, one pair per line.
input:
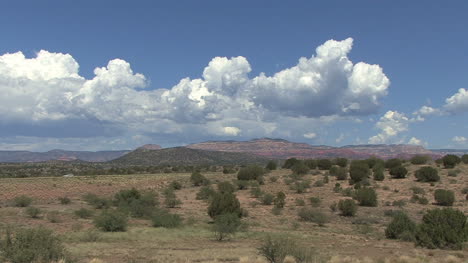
[108,75]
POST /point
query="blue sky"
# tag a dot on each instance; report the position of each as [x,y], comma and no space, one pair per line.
[241,58]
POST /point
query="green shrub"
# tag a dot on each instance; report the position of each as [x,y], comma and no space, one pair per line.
[311,163]
[398,172]
[275,249]
[111,221]
[444,197]
[427,174]
[319,183]
[170,198]
[419,199]
[442,228]
[226,187]
[162,218]
[419,159]
[224,203]
[290,163]
[379,175]
[96,201]
[267,199]
[324,164]
[136,203]
[300,202]
[341,162]
[374,161]
[251,172]
[347,207]
[417,190]
[32,245]
[83,213]
[256,192]
[450,160]
[399,203]
[241,185]
[464,158]
[301,187]
[341,173]
[271,165]
[33,212]
[205,193]
[400,224]
[53,217]
[22,201]
[64,200]
[358,171]
[454,172]
[175,185]
[300,168]
[225,225]
[315,201]
[198,179]
[312,215]
[280,200]
[395,162]
[366,196]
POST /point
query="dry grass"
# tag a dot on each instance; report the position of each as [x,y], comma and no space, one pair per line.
[195,242]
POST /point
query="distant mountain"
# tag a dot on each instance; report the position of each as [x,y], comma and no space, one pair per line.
[185,156]
[150,147]
[27,156]
[451,151]
[283,149]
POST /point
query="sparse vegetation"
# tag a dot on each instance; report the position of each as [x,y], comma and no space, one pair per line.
[450,160]
[111,221]
[347,207]
[22,201]
[427,174]
[444,197]
[366,196]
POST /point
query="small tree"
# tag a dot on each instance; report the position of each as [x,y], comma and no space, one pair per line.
[398,172]
[444,197]
[224,203]
[427,174]
[450,160]
[442,228]
[300,168]
[390,163]
[111,221]
[379,174]
[347,207]
[290,163]
[252,172]
[226,225]
[271,165]
[400,224]
[358,171]
[280,200]
[341,162]
[366,196]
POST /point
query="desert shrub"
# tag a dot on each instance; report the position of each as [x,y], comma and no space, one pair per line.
[301,187]
[341,162]
[311,163]
[395,162]
[175,185]
[256,192]
[454,172]
[358,170]
[83,213]
[53,217]
[399,203]
[135,203]
[271,165]
[442,228]
[444,197]
[170,198]
[273,179]
[450,160]
[315,201]
[241,184]
[300,168]
[33,212]
[324,164]
[96,201]
[465,190]
[366,196]
[280,200]
[290,163]
[224,203]
[198,179]
[398,172]
[226,187]
[111,221]
[300,202]
[337,188]
[163,218]
[64,200]
[341,173]
[417,190]
[22,201]
[347,207]
[419,199]
[379,175]
[427,174]
[374,161]
[312,215]
[400,224]
[251,172]
[205,193]
[32,245]
[347,191]
[275,249]
[267,199]
[419,159]
[225,225]
[319,183]
[228,170]
[464,158]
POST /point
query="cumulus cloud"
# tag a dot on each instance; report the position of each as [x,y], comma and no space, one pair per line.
[391,124]
[223,101]
[310,135]
[460,140]
[416,141]
[457,103]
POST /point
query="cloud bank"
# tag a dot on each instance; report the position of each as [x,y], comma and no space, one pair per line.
[47,90]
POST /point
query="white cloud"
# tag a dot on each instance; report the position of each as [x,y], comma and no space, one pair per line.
[310,135]
[459,139]
[320,89]
[391,124]
[457,103]
[426,111]
[416,141]
[340,138]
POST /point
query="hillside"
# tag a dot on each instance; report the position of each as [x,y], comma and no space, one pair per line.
[185,156]
[27,156]
[283,149]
